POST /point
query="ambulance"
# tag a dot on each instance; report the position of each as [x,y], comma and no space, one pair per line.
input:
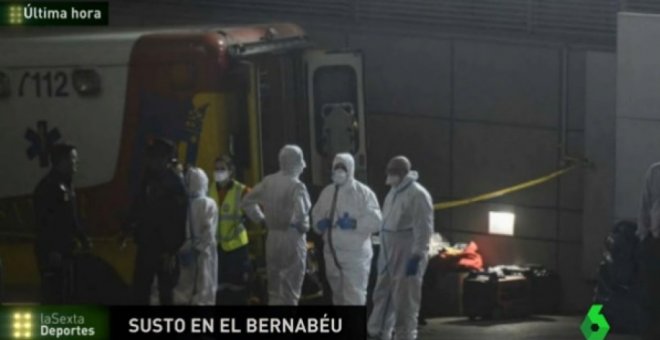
[243,91]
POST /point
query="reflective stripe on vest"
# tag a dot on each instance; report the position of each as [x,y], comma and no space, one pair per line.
[231,231]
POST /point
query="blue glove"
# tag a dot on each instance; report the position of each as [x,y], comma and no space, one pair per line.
[324,224]
[346,223]
[413,265]
[188,257]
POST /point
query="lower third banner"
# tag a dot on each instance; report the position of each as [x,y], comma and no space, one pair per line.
[183,322]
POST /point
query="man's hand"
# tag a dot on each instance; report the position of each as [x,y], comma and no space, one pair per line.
[324,224]
[346,222]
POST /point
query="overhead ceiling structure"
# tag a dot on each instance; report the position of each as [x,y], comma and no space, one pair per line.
[571,21]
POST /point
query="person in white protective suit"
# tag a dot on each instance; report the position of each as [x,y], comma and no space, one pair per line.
[648,232]
[405,235]
[346,214]
[281,201]
[198,278]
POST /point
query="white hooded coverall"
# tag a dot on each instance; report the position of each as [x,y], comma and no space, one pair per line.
[648,222]
[352,247]
[406,232]
[286,204]
[198,281]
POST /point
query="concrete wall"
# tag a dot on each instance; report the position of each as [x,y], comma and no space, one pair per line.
[638,107]
[600,145]
[476,116]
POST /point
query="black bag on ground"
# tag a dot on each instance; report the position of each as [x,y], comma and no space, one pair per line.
[489,295]
[442,290]
[623,312]
[545,285]
[620,257]
[617,283]
[97,282]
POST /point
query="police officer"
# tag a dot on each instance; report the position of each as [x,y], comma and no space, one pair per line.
[58,226]
[158,221]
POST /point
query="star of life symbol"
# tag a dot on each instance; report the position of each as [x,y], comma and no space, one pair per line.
[41,140]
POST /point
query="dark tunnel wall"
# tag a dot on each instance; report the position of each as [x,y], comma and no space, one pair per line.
[474,115]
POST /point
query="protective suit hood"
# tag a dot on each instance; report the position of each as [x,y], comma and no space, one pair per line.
[197,182]
[348,160]
[412,176]
[291,160]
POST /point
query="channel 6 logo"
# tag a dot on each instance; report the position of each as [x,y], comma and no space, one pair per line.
[595,325]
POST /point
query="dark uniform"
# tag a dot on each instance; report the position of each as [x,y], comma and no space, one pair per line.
[58,227]
[650,280]
[159,215]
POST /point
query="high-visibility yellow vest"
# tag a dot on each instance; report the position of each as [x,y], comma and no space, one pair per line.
[231,231]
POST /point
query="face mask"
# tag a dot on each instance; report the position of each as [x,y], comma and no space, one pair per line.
[298,170]
[393,180]
[221,176]
[339,177]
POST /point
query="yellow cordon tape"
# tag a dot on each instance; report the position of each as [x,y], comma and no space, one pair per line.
[437,206]
[505,191]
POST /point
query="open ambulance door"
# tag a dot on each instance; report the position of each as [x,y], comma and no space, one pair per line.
[335,83]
